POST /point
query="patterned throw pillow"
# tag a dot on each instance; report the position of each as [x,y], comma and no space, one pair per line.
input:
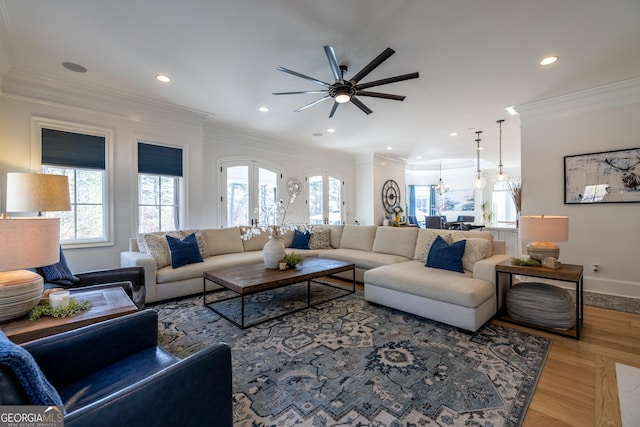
[476,249]
[158,247]
[202,244]
[320,239]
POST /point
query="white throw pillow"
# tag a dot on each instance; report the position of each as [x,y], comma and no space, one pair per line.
[158,247]
[475,249]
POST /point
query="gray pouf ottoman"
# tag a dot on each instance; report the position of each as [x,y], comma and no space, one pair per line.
[541,304]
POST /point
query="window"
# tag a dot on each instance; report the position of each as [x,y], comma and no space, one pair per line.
[159,188]
[503,208]
[81,155]
[325,199]
[251,186]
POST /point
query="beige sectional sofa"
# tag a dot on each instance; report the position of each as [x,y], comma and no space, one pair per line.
[389,261]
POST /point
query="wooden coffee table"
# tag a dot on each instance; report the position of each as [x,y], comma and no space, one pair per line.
[106,303]
[253,278]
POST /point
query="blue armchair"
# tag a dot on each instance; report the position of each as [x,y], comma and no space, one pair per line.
[114,373]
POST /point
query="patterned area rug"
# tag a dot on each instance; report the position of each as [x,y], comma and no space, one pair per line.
[347,362]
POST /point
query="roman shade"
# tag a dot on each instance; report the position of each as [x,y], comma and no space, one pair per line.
[159,160]
[75,150]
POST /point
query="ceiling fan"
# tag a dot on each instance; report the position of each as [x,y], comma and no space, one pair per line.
[343,90]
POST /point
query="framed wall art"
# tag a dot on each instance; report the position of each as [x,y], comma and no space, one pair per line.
[605,177]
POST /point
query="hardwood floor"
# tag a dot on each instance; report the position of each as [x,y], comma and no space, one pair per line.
[578,384]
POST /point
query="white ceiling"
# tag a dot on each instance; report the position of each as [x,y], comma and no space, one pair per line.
[475,57]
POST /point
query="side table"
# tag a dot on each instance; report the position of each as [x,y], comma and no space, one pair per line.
[106,303]
[566,273]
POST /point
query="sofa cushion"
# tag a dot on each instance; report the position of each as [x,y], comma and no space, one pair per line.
[446,256]
[362,259]
[436,284]
[320,238]
[184,251]
[358,237]
[300,240]
[192,271]
[475,249]
[256,242]
[396,241]
[223,240]
[336,234]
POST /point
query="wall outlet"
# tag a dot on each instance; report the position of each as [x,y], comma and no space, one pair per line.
[595,267]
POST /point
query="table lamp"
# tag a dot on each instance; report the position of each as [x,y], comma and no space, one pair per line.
[25,243]
[29,242]
[37,192]
[544,230]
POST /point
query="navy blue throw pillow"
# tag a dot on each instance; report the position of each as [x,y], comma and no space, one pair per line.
[59,273]
[445,256]
[300,240]
[184,251]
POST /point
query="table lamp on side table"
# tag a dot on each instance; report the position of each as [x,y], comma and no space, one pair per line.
[25,243]
[29,242]
[544,230]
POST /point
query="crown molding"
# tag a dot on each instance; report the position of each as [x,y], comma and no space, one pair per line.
[607,97]
[117,103]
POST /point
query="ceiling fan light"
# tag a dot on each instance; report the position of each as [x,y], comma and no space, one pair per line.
[343,98]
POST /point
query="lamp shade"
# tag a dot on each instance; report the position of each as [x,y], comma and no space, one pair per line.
[37,192]
[29,242]
[544,228]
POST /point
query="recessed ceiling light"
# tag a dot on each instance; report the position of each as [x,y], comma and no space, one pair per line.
[72,66]
[163,78]
[549,60]
[454,133]
[419,157]
[389,148]
[331,130]
[263,109]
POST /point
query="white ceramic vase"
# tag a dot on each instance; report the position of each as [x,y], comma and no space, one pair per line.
[273,252]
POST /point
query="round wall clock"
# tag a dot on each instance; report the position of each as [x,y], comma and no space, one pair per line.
[390,195]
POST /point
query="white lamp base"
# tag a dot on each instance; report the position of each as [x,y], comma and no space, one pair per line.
[20,291]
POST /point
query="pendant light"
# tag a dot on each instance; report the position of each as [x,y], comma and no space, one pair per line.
[441,188]
[501,176]
[478,181]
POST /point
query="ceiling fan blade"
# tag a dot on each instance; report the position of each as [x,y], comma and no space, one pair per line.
[373,64]
[333,63]
[294,73]
[333,109]
[299,92]
[388,80]
[360,105]
[317,101]
[381,95]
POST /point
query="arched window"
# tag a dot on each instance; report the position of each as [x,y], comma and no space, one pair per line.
[326,200]
[250,185]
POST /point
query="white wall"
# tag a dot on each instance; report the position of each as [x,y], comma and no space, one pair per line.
[607,234]
[131,119]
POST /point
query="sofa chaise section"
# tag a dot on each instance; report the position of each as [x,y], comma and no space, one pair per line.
[463,299]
